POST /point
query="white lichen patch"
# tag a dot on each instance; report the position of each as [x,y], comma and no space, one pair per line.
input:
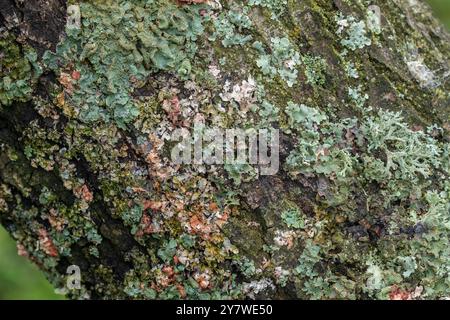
[285,238]
[215,71]
[242,93]
[418,68]
[423,74]
[255,287]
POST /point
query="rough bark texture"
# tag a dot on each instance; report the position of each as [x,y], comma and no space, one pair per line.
[358,209]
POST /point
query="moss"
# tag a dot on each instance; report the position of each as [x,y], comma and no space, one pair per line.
[18,71]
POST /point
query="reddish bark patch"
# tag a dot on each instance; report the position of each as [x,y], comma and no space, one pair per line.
[173,109]
[46,243]
[76,75]
[84,193]
[398,294]
[22,251]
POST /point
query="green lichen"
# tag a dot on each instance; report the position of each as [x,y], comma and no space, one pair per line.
[240,172]
[109,58]
[229,27]
[293,219]
[315,69]
[275,7]
[356,32]
[282,61]
[351,70]
[358,97]
[409,154]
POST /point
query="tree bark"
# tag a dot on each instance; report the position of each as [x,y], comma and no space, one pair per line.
[86,177]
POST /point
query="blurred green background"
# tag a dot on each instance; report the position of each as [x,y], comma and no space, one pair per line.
[442,10]
[20,279]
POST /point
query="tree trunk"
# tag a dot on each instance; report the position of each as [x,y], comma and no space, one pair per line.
[90,93]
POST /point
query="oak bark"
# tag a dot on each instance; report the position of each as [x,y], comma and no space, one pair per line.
[126,262]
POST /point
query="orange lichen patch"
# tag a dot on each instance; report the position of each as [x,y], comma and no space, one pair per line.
[398,294]
[21,250]
[178,206]
[66,81]
[76,75]
[181,290]
[222,219]
[154,205]
[46,243]
[55,220]
[203,280]
[146,226]
[213,207]
[203,283]
[198,226]
[84,193]
[173,109]
[166,277]
[156,168]
[168,270]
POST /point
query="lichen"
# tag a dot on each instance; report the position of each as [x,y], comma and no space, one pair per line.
[315,69]
[275,7]
[228,27]
[102,58]
[356,32]
[282,61]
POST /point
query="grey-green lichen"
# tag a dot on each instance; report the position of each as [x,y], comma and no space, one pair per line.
[315,68]
[355,32]
[275,7]
[103,57]
[229,25]
[282,61]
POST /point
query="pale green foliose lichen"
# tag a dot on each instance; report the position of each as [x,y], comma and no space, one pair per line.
[118,47]
[355,32]
[229,27]
[282,61]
